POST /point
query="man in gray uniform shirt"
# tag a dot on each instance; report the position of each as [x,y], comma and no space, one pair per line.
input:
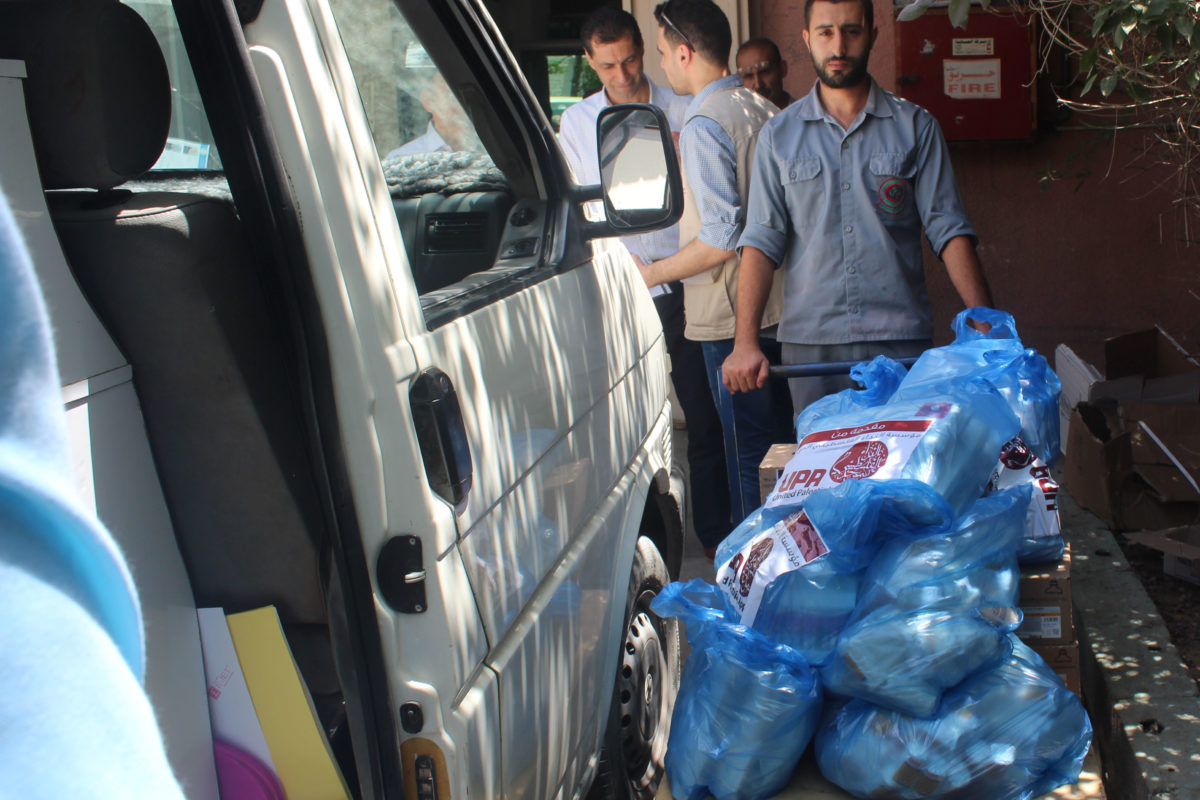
[843,182]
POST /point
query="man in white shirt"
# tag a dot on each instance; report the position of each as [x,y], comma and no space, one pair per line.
[449,129]
[614,48]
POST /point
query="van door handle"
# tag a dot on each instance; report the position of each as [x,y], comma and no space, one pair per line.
[442,435]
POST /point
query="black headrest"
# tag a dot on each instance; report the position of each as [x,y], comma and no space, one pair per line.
[98,93]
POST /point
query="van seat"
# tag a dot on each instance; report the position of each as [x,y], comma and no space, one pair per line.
[171,278]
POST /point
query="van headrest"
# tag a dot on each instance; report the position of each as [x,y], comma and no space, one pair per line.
[97,92]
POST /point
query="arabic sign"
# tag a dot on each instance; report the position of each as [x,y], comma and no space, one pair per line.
[977,79]
[973,47]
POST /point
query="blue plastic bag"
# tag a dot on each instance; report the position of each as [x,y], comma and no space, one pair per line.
[1009,732]
[933,610]
[792,572]
[879,378]
[946,434]
[1022,376]
[747,707]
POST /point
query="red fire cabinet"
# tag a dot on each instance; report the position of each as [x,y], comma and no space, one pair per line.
[978,82]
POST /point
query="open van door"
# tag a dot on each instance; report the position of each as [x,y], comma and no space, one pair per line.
[393,382]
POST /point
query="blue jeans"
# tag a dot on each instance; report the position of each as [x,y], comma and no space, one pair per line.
[750,421]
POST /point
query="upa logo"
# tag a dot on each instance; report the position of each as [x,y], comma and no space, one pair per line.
[862,460]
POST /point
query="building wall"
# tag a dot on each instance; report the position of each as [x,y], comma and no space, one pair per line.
[1074,264]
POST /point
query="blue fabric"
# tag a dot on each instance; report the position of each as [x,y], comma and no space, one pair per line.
[968,424]
[750,422]
[841,211]
[75,721]
[1021,375]
[1009,732]
[806,391]
[747,707]
[933,610]
[710,161]
[878,379]
[807,607]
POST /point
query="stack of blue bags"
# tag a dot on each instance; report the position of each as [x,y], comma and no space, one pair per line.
[870,605]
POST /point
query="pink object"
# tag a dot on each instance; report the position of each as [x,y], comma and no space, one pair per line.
[241,776]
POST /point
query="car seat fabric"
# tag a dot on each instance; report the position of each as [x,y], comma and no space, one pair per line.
[171,277]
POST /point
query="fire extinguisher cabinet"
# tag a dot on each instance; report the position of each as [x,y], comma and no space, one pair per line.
[978,82]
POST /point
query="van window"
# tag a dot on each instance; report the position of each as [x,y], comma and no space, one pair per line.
[411,109]
[190,141]
[451,199]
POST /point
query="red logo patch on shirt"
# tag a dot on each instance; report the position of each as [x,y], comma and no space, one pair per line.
[893,195]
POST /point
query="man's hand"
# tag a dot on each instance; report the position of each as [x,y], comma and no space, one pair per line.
[644,271]
[746,369]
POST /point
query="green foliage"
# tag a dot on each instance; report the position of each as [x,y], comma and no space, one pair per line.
[1138,67]
[1141,47]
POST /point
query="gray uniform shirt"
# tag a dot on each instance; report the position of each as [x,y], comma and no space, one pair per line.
[842,210]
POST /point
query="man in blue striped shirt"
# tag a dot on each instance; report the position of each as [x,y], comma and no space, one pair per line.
[717,146]
[844,181]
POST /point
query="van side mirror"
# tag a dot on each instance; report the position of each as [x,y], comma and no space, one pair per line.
[639,171]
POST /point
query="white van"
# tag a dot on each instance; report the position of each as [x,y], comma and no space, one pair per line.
[351,350]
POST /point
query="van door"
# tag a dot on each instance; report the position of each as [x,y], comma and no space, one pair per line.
[500,389]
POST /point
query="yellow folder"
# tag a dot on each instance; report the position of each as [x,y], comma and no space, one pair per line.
[305,764]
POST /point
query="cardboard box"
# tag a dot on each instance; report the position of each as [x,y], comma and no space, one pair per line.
[1141,366]
[1098,460]
[1064,660]
[1077,377]
[1148,365]
[1047,583]
[1045,599]
[771,467]
[1046,623]
[1165,448]
[1180,548]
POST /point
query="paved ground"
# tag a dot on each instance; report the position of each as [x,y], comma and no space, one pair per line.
[1142,701]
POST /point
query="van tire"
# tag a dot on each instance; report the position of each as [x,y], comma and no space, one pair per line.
[647,681]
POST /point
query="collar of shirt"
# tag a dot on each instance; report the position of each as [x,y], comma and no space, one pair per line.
[428,142]
[728,82]
[810,108]
[663,98]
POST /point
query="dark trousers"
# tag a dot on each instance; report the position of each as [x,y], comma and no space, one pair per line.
[752,422]
[706,449]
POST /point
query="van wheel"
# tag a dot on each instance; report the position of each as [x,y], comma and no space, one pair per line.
[639,723]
